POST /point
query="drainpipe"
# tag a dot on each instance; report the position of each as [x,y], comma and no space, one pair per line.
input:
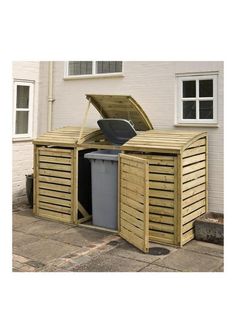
[50,94]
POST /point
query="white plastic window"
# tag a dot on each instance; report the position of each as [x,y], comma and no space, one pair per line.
[197,99]
[23,105]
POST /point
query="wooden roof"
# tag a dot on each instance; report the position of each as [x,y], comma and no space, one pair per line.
[170,141]
[121,107]
[67,136]
[166,141]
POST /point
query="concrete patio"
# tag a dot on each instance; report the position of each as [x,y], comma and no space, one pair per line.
[45,246]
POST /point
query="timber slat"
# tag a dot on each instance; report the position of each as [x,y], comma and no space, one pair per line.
[198,143]
[194,198]
[52,200]
[131,211]
[193,159]
[161,185]
[193,191]
[54,180]
[194,175]
[188,236]
[194,215]
[132,238]
[161,219]
[55,208]
[161,210]
[53,173]
[194,151]
[161,169]
[161,177]
[66,196]
[132,228]
[54,187]
[131,203]
[54,215]
[132,195]
[161,202]
[189,209]
[55,160]
[132,170]
[194,167]
[161,194]
[160,234]
[132,186]
[49,166]
[160,239]
[188,226]
[132,178]
[193,183]
[129,218]
[161,227]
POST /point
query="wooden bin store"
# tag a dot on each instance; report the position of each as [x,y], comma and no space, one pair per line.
[163,176]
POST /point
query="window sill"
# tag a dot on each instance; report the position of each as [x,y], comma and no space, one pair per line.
[22,139]
[198,125]
[93,76]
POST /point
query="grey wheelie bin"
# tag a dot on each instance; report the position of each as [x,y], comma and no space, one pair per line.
[104,165]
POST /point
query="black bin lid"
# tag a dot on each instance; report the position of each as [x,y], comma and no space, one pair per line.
[117,131]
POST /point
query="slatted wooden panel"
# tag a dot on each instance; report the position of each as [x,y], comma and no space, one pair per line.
[162,198]
[194,186]
[54,183]
[133,201]
[162,195]
[122,107]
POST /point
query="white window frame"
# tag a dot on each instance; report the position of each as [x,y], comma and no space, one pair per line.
[179,98]
[30,110]
[92,75]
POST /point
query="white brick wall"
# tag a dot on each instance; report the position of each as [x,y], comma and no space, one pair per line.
[22,165]
[23,150]
[152,84]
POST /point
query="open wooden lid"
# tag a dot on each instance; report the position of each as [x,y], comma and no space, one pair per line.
[121,107]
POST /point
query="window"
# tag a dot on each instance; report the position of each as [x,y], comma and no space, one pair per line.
[23,98]
[197,99]
[93,68]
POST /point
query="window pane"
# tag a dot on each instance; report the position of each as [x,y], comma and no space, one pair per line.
[80,67]
[22,122]
[189,109]
[206,88]
[206,109]
[189,89]
[108,66]
[22,96]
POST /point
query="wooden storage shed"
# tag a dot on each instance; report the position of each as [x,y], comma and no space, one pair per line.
[162,176]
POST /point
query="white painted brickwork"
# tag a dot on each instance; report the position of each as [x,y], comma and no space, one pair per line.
[22,165]
[152,84]
[22,157]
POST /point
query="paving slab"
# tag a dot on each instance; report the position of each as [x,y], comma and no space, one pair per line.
[220,269]
[19,258]
[110,263]
[20,221]
[129,251]
[21,238]
[80,236]
[190,261]
[155,268]
[27,268]
[43,227]
[45,250]
[205,248]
